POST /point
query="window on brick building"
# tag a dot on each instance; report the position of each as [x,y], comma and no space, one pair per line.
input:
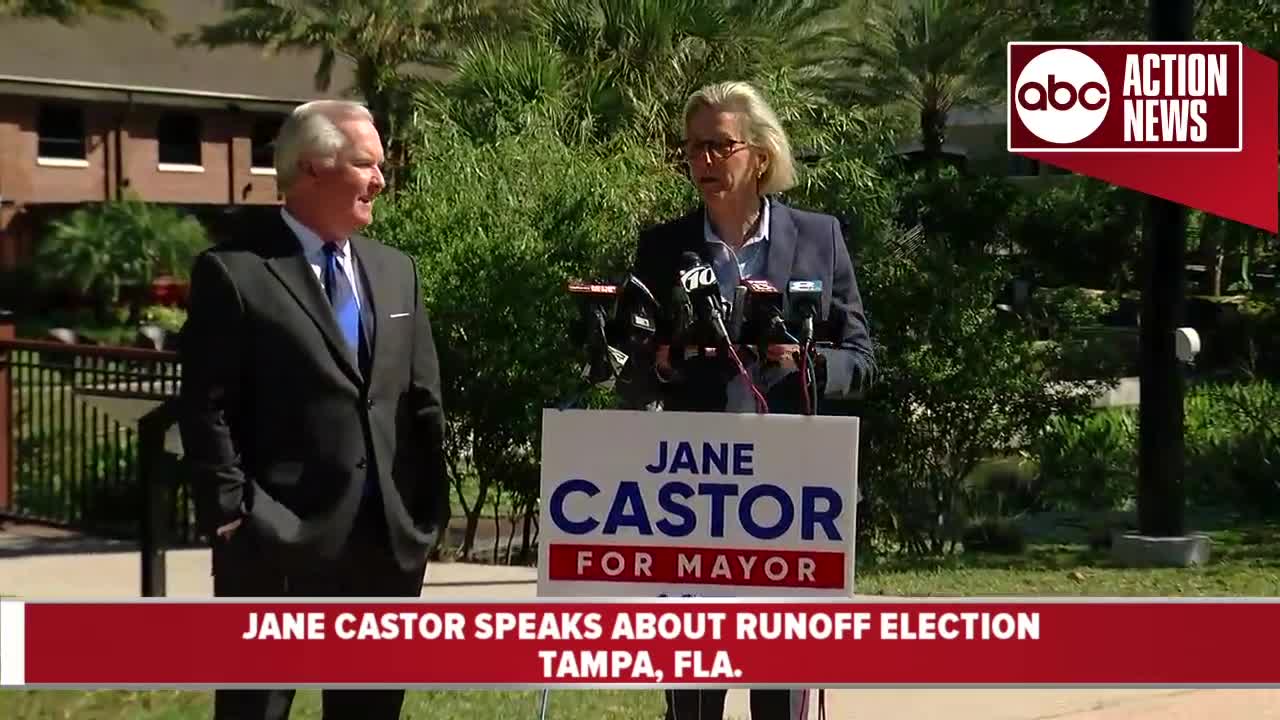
[179,139]
[61,132]
[264,138]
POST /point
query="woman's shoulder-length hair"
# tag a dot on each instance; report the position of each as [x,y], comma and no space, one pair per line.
[760,124]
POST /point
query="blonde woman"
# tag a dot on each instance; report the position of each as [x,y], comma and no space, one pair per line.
[739,157]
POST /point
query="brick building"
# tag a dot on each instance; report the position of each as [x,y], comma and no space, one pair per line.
[87,112]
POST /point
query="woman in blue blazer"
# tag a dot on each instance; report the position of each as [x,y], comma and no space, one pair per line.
[738,156]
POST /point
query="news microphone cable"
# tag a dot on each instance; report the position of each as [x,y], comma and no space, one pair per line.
[804,379]
[691,260]
[762,406]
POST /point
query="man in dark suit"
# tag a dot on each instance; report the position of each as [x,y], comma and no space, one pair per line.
[311,413]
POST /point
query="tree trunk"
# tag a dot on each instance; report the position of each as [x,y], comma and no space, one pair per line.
[473,515]
[497,526]
[526,533]
[511,539]
[1245,248]
[933,123]
[1212,257]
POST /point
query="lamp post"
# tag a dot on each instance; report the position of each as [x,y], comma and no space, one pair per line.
[1161,511]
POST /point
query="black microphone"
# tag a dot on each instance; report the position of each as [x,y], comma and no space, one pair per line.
[804,300]
[764,319]
[804,297]
[701,292]
[698,284]
[635,324]
[637,312]
[591,328]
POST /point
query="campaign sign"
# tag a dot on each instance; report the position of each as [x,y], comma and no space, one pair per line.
[644,504]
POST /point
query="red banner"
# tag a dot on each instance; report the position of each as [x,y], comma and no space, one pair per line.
[659,643]
[1194,123]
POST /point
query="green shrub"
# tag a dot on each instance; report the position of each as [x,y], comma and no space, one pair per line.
[1000,536]
[1233,447]
[1083,232]
[1232,454]
[1088,463]
[496,237]
[1261,322]
[165,316]
[100,251]
[958,385]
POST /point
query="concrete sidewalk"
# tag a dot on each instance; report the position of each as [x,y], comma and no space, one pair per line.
[52,569]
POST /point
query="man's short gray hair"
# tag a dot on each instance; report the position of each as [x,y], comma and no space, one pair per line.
[311,130]
[760,125]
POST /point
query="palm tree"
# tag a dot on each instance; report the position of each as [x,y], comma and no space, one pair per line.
[610,65]
[929,56]
[384,40]
[70,12]
[101,250]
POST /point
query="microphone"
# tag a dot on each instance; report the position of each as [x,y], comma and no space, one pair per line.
[701,295]
[592,328]
[803,298]
[763,315]
[635,324]
[637,312]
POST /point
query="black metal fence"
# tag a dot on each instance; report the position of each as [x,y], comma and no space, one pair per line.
[69,415]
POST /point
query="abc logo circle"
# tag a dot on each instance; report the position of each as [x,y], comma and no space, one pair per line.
[1062,96]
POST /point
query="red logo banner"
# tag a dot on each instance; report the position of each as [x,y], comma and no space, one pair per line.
[1194,123]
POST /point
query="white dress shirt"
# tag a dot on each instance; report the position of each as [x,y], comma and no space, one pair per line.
[313,248]
[751,260]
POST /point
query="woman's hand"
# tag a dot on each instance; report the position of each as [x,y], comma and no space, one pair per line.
[662,362]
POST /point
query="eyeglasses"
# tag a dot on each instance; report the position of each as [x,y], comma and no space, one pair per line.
[717,149]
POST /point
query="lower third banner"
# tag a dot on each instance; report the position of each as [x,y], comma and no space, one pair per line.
[658,643]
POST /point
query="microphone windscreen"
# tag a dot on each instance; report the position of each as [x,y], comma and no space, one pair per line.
[689,260]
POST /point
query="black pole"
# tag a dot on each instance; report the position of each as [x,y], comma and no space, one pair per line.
[1161,511]
[156,499]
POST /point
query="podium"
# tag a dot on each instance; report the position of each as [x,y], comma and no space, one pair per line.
[669,504]
[151,408]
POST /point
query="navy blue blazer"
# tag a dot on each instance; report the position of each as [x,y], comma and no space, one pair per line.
[802,246]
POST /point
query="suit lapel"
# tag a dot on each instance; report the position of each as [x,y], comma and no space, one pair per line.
[374,277]
[782,245]
[291,268]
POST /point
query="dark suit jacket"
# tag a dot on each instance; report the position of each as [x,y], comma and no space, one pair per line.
[802,246]
[280,422]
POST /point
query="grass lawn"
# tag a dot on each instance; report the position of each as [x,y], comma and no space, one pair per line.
[425,705]
[1245,562]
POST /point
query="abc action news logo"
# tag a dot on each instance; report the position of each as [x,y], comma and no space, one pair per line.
[1125,97]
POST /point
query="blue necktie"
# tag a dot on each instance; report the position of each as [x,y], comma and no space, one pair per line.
[342,297]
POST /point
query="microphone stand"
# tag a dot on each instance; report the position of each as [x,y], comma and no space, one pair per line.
[807,367]
[603,365]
